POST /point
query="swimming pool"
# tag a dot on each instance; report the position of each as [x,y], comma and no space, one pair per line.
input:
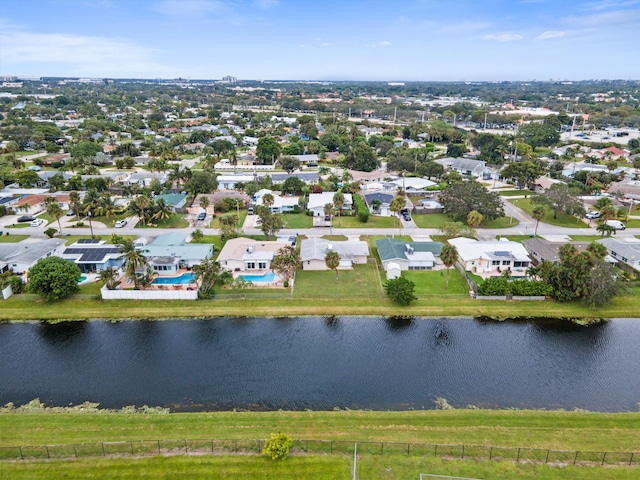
[264,278]
[183,279]
[82,279]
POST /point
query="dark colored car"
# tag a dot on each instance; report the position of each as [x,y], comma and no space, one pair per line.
[202,215]
[26,218]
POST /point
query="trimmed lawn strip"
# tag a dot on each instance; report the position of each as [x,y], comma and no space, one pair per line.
[563,219]
[215,223]
[558,430]
[12,238]
[298,220]
[433,220]
[342,298]
[502,222]
[374,221]
[585,238]
[515,193]
[361,282]
[434,282]
[191,467]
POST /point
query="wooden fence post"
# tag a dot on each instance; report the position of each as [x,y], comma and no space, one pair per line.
[575,459]
[131,445]
[186,448]
[490,453]
[462,451]
[22,456]
[547,459]
[518,458]
[158,447]
[103,449]
[604,457]
[75,453]
[408,449]
[631,459]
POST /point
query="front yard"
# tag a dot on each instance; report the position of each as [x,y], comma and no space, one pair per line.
[563,220]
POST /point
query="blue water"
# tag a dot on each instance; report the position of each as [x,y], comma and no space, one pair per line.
[264,278]
[183,279]
[82,279]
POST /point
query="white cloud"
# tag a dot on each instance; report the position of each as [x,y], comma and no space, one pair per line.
[550,34]
[384,43]
[504,37]
[108,56]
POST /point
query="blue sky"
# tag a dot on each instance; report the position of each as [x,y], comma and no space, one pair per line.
[322,39]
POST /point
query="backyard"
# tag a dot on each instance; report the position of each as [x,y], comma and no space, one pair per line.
[361,282]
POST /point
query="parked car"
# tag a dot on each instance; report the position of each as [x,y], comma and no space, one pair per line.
[37,222]
[26,218]
[617,224]
[202,215]
[70,213]
[120,223]
[593,214]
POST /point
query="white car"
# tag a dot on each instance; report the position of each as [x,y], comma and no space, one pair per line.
[593,214]
[120,223]
[37,222]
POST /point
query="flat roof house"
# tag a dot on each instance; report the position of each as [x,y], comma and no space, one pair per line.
[493,257]
[317,201]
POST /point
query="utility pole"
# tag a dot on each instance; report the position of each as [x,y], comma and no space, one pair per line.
[395,112]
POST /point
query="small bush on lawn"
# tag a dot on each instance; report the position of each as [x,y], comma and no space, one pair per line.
[278,447]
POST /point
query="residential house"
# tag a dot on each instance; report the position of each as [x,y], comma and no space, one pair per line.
[308,178]
[628,190]
[280,204]
[174,200]
[624,251]
[411,185]
[30,204]
[401,255]
[541,250]
[310,159]
[474,168]
[215,198]
[145,178]
[314,250]
[170,252]
[93,255]
[542,184]
[385,202]
[317,201]
[248,255]
[492,258]
[19,257]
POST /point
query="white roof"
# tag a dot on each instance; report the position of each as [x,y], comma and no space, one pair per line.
[319,200]
[470,249]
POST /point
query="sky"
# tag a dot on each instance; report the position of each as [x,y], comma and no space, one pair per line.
[388,40]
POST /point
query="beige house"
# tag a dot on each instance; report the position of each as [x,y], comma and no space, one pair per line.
[248,255]
[314,250]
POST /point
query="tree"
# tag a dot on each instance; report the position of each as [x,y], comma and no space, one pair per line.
[268,200]
[456,150]
[603,285]
[361,157]
[108,278]
[397,204]
[338,203]
[461,198]
[54,278]
[401,290]
[278,447]
[328,212]
[457,229]
[74,199]
[163,211]
[271,223]
[267,150]
[525,173]
[449,256]
[293,186]
[142,201]
[85,150]
[286,262]
[332,261]
[560,198]
[207,272]
[201,182]
[133,259]
[54,210]
[474,219]
[608,212]
[538,213]
[605,229]
[289,163]
[90,204]
[539,135]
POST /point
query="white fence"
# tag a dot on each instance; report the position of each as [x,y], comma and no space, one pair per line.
[148,294]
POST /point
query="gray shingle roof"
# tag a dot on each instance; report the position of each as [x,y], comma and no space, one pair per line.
[391,248]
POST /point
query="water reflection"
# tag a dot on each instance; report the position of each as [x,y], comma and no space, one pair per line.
[399,323]
[63,333]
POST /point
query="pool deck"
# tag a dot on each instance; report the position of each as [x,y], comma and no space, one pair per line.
[279,283]
[154,286]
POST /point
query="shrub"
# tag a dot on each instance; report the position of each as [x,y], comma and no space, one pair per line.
[278,447]
[361,209]
[50,232]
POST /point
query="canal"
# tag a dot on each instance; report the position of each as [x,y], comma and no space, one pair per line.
[322,363]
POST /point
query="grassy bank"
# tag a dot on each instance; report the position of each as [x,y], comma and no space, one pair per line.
[615,432]
[29,307]
[586,432]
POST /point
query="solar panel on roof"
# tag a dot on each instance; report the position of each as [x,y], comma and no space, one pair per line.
[502,254]
[88,240]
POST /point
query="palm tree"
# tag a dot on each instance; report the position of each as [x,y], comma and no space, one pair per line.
[54,210]
[608,212]
[133,259]
[286,262]
[375,205]
[107,205]
[142,201]
[397,204]
[538,213]
[74,199]
[204,202]
[91,200]
[332,261]
[328,212]
[449,256]
[474,218]
[338,203]
[164,211]
[108,278]
[145,279]
[268,200]
[208,273]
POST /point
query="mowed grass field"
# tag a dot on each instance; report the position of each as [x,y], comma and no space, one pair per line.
[587,432]
[562,220]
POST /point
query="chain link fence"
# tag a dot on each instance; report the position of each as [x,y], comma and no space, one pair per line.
[136,448]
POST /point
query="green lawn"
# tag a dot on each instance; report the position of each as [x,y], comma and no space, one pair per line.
[633,223]
[434,282]
[502,222]
[516,238]
[215,223]
[92,288]
[18,225]
[434,220]
[12,238]
[374,221]
[563,219]
[361,282]
[297,220]
[585,238]
[515,193]
[176,220]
